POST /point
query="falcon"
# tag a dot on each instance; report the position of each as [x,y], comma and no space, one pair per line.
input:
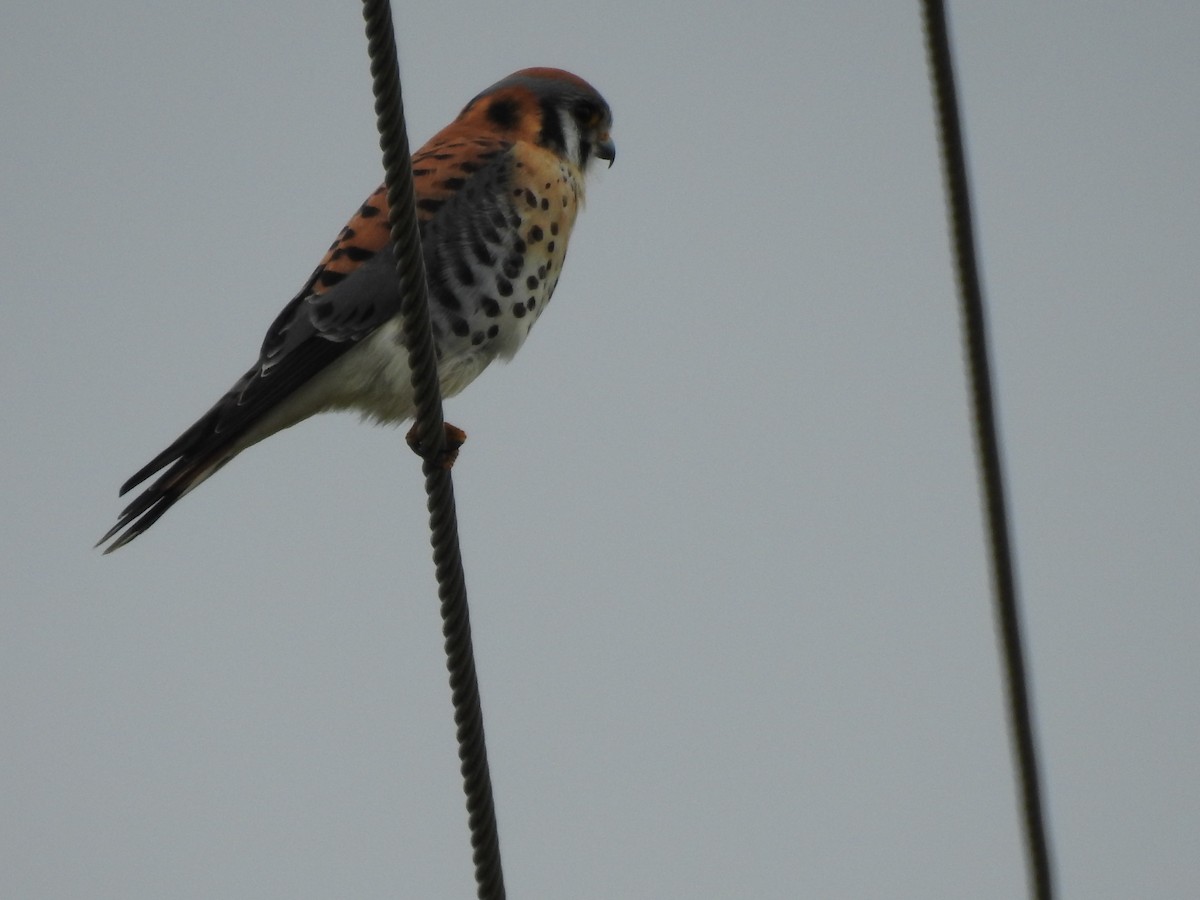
[497,192]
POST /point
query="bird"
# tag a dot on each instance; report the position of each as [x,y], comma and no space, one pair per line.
[497,193]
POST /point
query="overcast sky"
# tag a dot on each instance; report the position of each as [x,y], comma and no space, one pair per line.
[720,516]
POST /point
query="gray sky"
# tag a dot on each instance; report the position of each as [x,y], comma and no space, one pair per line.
[720,516]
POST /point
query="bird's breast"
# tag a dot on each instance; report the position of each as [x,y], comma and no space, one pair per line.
[491,273]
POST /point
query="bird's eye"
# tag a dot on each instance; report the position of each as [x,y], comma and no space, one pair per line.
[588,114]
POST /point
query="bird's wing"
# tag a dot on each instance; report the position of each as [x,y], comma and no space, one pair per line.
[336,308]
[312,331]
[352,292]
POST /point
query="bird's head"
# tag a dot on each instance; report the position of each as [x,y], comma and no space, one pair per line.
[548,107]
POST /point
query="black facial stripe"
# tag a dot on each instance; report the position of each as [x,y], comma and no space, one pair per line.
[552,134]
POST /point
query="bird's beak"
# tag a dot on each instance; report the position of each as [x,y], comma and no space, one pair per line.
[606,149]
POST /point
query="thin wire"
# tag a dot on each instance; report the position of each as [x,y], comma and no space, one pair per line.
[1008,618]
[447,556]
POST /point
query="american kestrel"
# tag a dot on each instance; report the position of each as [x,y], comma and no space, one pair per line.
[497,193]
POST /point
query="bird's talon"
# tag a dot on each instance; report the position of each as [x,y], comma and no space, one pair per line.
[455,438]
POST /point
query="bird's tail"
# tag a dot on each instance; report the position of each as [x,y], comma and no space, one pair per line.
[189,462]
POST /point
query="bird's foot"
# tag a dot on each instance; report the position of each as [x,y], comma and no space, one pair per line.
[455,438]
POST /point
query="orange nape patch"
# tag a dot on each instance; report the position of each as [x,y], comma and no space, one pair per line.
[512,113]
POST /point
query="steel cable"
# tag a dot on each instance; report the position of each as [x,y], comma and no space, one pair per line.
[1007,609]
[447,556]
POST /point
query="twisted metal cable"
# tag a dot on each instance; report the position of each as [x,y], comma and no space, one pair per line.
[1007,611]
[447,557]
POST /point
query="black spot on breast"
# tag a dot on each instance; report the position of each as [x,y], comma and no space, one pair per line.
[430,204]
[453,184]
[477,338]
[462,272]
[531,199]
[460,327]
[531,303]
[358,254]
[367,211]
[531,282]
[504,287]
[519,310]
[554,228]
[503,113]
[446,298]
[550,246]
[491,308]
[440,291]
[535,234]
[519,246]
[421,173]
[513,266]
[467,166]
[482,253]
[329,278]
[493,331]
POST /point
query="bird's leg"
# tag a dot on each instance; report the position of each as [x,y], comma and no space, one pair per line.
[455,438]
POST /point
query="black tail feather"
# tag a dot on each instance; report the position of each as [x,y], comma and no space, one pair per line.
[140,515]
[219,434]
[189,460]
